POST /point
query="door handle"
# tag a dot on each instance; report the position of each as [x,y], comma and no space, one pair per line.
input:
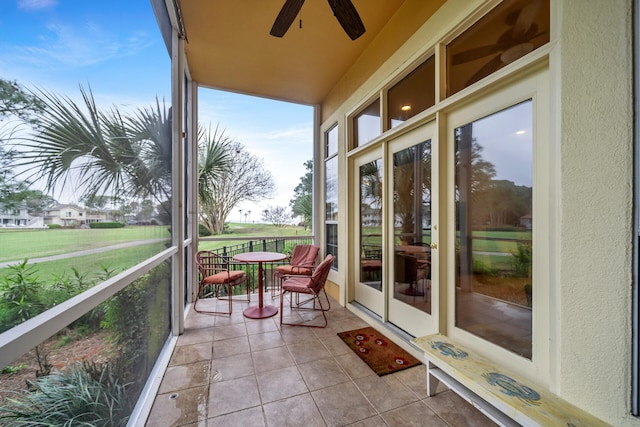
[434,245]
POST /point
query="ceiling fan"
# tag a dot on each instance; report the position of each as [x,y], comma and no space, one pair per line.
[512,44]
[344,11]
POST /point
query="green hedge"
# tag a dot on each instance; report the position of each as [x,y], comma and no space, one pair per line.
[106,225]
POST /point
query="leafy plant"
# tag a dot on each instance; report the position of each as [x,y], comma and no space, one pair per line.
[87,395]
[19,295]
[12,369]
[522,260]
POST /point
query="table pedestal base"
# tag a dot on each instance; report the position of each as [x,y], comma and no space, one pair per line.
[256,312]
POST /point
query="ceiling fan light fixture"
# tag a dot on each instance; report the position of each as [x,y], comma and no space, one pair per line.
[516,52]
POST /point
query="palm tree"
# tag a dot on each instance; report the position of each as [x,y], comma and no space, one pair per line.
[100,152]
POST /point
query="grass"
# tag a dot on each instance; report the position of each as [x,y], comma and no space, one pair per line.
[20,244]
[17,245]
[115,260]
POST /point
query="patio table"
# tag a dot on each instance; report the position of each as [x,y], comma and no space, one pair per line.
[260,311]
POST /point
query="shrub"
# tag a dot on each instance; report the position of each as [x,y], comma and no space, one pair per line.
[54,226]
[87,394]
[19,296]
[203,231]
[522,260]
[114,224]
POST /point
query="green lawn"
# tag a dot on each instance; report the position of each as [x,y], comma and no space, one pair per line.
[20,244]
[17,245]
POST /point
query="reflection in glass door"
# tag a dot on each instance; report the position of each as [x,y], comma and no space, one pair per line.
[494,189]
[412,292]
[370,189]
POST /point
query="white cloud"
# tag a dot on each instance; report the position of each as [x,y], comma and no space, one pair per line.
[65,46]
[30,5]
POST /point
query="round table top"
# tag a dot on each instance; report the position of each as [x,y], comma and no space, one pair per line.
[259,257]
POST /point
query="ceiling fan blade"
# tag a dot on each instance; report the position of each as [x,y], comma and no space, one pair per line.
[347,15]
[488,68]
[525,19]
[474,53]
[285,18]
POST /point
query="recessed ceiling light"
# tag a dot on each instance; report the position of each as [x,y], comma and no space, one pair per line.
[406,107]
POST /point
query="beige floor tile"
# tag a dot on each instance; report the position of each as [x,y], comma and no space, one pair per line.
[176,409]
[254,372]
[306,352]
[258,326]
[354,366]
[416,414]
[185,376]
[195,336]
[280,384]
[292,412]
[343,404]
[230,396]
[298,334]
[228,368]
[252,417]
[376,421]
[186,354]
[456,411]
[385,393]
[265,340]
[236,316]
[335,345]
[230,347]
[199,320]
[415,378]
[270,359]
[322,373]
[229,331]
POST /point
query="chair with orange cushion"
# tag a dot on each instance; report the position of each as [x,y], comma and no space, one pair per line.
[308,285]
[302,262]
[215,274]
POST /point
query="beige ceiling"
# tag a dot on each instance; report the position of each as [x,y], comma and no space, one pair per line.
[229,46]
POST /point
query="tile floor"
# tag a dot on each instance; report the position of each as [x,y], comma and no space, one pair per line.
[233,371]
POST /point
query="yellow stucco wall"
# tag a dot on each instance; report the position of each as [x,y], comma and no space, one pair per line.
[591,293]
[590,193]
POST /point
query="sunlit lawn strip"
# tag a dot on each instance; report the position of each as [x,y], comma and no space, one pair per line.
[21,244]
[114,260]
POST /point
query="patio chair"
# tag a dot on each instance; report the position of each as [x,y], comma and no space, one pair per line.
[309,285]
[214,275]
[302,262]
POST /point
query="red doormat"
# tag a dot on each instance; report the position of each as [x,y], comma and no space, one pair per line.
[379,352]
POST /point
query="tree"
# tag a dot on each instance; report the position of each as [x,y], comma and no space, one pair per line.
[245,180]
[97,152]
[14,100]
[278,216]
[214,162]
[302,203]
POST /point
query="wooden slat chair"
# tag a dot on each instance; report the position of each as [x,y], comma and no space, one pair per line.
[302,262]
[215,274]
[309,285]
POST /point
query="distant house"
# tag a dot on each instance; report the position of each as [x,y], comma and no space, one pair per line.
[19,217]
[14,217]
[71,216]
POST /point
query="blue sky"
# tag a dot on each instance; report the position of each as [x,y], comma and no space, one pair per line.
[115,47]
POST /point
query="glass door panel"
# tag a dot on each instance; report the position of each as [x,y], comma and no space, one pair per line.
[412,291]
[494,189]
[369,285]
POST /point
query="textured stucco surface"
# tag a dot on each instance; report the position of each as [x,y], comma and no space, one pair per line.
[593,309]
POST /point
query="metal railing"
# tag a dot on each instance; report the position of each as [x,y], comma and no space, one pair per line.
[281,244]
